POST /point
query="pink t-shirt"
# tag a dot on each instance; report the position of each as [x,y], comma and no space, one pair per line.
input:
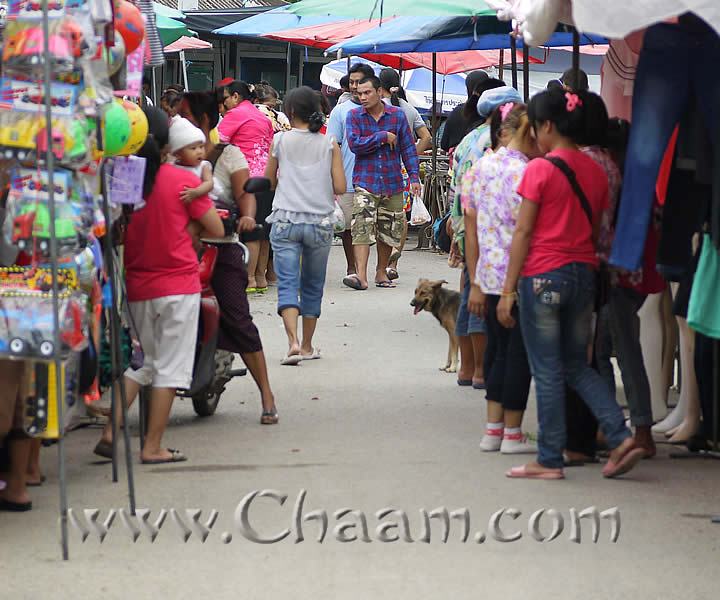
[159,256]
[562,234]
[250,130]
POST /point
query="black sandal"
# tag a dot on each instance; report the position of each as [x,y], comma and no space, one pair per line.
[269,417]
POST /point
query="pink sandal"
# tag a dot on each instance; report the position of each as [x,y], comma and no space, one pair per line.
[628,460]
[523,473]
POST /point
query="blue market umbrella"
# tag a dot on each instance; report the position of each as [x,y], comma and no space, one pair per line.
[277,19]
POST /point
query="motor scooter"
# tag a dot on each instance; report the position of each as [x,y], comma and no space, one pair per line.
[213,367]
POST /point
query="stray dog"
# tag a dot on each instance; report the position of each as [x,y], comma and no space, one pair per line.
[444,305]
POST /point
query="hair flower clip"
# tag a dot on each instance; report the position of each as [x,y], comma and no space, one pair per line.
[505,110]
[573,101]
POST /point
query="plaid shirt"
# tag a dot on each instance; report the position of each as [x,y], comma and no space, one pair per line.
[377,166]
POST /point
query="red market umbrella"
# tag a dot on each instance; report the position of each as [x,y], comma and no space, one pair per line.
[324,36]
[187,43]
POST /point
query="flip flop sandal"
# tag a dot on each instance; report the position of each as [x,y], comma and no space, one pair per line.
[627,462]
[464,382]
[314,356]
[386,285]
[392,273]
[579,462]
[353,281]
[10,506]
[251,290]
[103,449]
[36,483]
[175,456]
[269,417]
[478,386]
[291,361]
[522,473]
[262,290]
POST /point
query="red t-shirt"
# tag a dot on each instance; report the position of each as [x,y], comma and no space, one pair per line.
[562,233]
[159,256]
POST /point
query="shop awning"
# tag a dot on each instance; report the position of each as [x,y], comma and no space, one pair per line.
[277,19]
[367,9]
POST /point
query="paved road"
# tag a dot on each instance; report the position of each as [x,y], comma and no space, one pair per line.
[373,424]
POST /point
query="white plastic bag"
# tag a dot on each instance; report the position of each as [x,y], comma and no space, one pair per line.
[339,217]
[419,214]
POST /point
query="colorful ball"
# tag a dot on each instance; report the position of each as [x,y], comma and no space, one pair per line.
[138,129]
[115,55]
[116,128]
[129,24]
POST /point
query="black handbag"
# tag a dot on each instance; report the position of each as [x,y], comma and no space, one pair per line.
[602,275]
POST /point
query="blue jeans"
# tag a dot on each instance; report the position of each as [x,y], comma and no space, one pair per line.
[555,315]
[467,323]
[300,257]
[674,60]
[619,327]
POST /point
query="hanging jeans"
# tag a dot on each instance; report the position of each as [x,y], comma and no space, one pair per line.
[555,316]
[674,59]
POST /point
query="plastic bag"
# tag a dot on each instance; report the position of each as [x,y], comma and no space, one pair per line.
[419,214]
[339,216]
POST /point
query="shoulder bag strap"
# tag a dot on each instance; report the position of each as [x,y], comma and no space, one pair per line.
[572,180]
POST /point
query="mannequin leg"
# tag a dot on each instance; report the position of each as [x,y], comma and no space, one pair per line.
[689,394]
[670,328]
[651,340]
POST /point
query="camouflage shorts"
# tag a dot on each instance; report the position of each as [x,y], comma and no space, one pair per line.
[377,218]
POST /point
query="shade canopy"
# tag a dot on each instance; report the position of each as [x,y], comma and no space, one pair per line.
[166,11]
[171,30]
[187,43]
[371,9]
[277,19]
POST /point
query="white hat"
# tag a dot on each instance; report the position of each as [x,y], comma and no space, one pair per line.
[183,133]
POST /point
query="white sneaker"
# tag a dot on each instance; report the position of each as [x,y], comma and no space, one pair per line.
[517,444]
[491,443]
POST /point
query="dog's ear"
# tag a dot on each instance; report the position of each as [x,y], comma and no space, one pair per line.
[438,283]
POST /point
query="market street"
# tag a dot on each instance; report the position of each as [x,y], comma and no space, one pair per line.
[373,424]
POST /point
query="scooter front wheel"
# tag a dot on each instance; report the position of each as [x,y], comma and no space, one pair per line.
[205,404]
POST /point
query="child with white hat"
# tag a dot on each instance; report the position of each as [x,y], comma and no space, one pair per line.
[187,144]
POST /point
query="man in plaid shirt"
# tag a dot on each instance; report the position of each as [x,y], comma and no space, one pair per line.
[379,136]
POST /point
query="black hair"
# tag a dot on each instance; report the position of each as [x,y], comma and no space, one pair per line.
[552,105]
[345,83]
[303,104]
[618,134]
[175,87]
[555,84]
[172,97]
[596,121]
[389,79]
[576,81]
[474,79]
[375,81]
[483,85]
[146,80]
[203,104]
[324,103]
[366,70]
[151,151]
[242,89]
[264,92]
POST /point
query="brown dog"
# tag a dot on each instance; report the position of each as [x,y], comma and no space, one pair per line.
[444,305]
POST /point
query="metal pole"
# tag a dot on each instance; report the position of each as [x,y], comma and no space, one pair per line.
[57,363]
[184,69]
[154,87]
[513,58]
[301,65]
[716,393]
[287,70]
[501,66]
[434,114]
[526,73]
[576,57]
[116,357]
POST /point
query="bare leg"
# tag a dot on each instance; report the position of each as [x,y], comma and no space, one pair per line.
[271,275]
[161,402]
[383,251]
[362,254]
[395,256]
[651,340]
[496,413]
[33,467]
[262,264]
[254,249]
[290,321]
[467,358]
[349,252]
[309,325]
[15,490]
[132,389]
[479,343]
[513,418]
[257,366]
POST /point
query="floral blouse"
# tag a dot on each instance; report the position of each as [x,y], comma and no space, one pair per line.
[490,187]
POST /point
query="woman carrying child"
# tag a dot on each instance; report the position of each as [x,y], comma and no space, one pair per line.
[306,168]
[552,270]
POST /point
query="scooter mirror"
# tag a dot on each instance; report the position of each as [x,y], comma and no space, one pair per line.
[257,185]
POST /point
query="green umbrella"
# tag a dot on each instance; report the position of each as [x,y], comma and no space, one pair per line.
[166,11]
[171,30]
[365,9]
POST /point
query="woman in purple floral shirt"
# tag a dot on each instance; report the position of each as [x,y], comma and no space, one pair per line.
[489,197]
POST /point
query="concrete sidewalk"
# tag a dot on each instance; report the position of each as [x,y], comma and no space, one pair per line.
[373,424]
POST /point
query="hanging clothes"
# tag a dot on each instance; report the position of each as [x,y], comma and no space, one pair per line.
[674,60]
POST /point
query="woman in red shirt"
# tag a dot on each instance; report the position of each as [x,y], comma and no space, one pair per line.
[163,287]
[552,267]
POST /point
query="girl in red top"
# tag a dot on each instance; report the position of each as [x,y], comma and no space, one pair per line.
[552,269]
[163,286]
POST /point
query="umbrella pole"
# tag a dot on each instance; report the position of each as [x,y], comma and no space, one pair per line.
[501,66]
[526,73]
[301,66]
[287,69]
[154,87]
[513,58]
[576,56]
[184,69]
